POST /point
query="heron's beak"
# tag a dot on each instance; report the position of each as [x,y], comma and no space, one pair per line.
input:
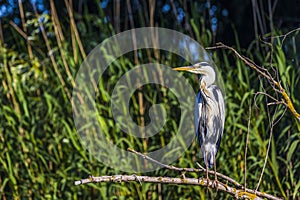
[185,68]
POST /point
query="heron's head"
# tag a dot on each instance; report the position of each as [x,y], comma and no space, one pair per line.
[198,68]
[201,68]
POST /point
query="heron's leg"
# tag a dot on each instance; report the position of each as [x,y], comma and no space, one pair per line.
[206,165]
[199,177]
[215,172]
[207,179]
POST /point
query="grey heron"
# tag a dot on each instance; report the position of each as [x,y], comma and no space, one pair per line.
[209,113]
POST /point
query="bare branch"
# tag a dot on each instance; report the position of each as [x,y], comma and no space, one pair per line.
[274,99]
[20,31]
[285,35]
[202,169]
[276,85]
[269,144]
[249,194]
[238,192]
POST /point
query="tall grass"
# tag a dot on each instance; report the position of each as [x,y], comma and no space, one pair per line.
[41,154]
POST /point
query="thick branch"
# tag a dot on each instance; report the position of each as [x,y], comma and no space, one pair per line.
[237,193]
[237,190]
[178,181]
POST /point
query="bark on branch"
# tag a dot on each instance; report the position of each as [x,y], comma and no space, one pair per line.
[226,184]
[237,193]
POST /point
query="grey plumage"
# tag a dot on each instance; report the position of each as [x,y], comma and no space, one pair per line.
[209,112]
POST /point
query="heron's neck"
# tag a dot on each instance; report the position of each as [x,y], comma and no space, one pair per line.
[208,77]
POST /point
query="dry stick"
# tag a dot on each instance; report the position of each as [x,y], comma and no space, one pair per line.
[6,66]
[276,85]
[202,169]
[237,193]
[281,116]
[271,132]
[171,180]
[25,28]
[74,28]
[56,21]
[246,147]
[10,81]
[274,99]
[271,122]
[186,169]
[59,42]
[20,31]
[152,12]
[50,53]
[285,35]
[276,102]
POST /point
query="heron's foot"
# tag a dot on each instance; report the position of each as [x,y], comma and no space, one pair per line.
[207,181]
[215,183]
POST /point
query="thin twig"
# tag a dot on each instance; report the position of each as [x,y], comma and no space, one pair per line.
[276,85]
[59,42]
[285,35]
[275,103]
[269,144]
[246,146]
[74,27]
[20,31]
[202,169]
[271,118]
[25,28]
[274,99]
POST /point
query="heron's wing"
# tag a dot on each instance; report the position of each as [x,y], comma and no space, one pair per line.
[198,118]
[220,113]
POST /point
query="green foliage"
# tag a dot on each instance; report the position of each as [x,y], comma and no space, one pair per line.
[41,155]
